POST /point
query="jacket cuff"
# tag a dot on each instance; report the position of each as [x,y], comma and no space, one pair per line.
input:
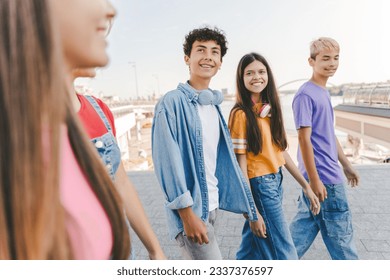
[183,201]
[252,216]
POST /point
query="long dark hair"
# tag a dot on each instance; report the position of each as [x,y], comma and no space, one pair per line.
[268,95]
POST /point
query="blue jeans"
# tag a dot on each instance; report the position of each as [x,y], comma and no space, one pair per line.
[267,192]
[334,221]
[193,251]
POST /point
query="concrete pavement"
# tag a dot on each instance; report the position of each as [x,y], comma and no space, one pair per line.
[370,205]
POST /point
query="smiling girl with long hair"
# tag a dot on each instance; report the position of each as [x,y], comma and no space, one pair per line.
[260,143]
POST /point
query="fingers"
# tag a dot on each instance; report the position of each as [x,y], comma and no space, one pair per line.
[357,179]
[263,232]
[259,230]
[205,239]
[199,238]
[353,181]
[260,233]
[319,190]
[352,176]
[315,206]
[321,196]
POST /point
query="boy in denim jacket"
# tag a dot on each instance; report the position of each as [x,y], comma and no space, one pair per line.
[192,152]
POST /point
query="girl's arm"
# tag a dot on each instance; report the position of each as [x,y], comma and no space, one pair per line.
[257,227]
[292,168]
[136,215]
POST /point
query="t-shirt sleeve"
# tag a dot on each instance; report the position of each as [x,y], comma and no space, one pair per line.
[237,127]
[303,111]
[108,114]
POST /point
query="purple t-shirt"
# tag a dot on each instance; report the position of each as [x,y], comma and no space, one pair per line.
[312,108]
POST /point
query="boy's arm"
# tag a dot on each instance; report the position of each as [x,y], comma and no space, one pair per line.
[168,162]
[304,134]
[194,228]
[169,169]
[349,171]
[136,214]
[257,227]
[315,205]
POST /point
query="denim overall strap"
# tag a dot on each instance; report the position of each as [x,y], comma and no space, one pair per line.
[106,144]
[100,112]
[108,154]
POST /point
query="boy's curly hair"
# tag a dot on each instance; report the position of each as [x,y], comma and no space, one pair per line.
[205,34]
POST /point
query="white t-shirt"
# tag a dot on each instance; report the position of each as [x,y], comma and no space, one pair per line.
[210,135]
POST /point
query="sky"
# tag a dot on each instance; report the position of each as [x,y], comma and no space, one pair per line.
[146,53]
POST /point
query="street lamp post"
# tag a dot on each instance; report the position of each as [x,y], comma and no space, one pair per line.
[158,84]
[132,63]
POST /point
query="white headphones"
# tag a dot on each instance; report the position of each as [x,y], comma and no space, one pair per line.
[265,111]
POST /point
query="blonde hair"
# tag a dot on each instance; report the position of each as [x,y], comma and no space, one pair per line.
[34,105]
[321,44]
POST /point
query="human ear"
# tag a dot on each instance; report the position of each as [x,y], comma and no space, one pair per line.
[187,59]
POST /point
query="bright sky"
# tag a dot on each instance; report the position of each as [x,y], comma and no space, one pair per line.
[151,33]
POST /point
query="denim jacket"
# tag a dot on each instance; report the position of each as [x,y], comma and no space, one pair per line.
[177,152]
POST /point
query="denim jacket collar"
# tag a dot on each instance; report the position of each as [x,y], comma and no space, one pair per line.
[189,91]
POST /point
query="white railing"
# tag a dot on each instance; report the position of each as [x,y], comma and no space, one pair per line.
[127,118]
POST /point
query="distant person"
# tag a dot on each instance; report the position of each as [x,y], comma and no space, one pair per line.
[192,152]
[260,143]
[56,199]
[99,123]
[318,156]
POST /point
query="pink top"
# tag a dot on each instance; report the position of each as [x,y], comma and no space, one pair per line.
[87,223]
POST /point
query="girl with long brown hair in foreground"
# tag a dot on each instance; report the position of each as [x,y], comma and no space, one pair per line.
[56,199]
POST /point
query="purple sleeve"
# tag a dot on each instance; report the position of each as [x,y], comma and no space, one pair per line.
[303,111]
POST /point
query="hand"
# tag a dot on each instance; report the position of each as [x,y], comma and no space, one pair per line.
[194,228]
[258,227]
[352,176]
[315,205]
[319,189]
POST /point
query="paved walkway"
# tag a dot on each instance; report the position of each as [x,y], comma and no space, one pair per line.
[370,204]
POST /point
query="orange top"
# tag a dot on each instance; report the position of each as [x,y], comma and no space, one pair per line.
[266,162]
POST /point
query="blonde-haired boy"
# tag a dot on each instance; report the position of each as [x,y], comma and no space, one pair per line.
[318,155]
